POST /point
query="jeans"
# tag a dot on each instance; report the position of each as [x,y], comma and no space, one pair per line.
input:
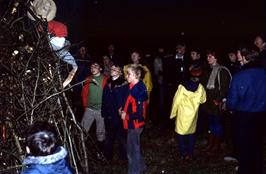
[88,118]
[64,54]
[136,163]
[186,144]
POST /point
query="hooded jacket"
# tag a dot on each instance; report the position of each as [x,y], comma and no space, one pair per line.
[185,108]
[50,164]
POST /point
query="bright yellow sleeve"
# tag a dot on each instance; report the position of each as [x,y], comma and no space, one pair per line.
[176,102]
[203,95]
[147,80]
[125,71]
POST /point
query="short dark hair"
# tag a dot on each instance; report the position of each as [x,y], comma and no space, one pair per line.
[262,36]
[211,51]
[180,45]
[41,139]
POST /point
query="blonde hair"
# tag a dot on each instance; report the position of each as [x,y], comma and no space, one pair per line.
[136,69]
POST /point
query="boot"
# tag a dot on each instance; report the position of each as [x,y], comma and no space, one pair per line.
[99,153]
[210,143]
[215,148]
[216,145]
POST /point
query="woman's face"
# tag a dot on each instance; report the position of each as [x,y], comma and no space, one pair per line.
[239,56]
[131,76]
[135,57]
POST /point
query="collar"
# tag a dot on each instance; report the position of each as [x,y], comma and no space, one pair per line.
[59,154]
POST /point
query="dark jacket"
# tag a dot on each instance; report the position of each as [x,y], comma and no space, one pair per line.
[114,97]
[51,164]
[248,91]
[218,93]
[135,106]
[176,70]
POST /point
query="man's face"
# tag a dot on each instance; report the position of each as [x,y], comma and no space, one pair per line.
[161,50]
[194,55]
[95,69]
[111,48]
[135,57]
[82,50]
[258,41]
[232,57]
[211,59]
[106,60]
[180,49]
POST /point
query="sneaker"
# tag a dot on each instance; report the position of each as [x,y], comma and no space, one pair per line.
[230,159]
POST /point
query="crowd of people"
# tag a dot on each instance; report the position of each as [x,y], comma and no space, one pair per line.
[121,96]
[191,87]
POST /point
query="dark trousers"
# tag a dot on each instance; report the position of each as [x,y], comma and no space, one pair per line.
[186,144]
[113,133]
[216,125]
[157,105]
[248,135]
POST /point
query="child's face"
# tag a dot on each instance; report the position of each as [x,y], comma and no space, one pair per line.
[115,71]
[131,76]
[95,69]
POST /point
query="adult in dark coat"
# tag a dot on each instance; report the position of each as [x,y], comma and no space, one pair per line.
[247,98]
[114,96]
[216,81]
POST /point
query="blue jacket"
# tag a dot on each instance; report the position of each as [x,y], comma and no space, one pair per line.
[248,91]
[135,106]
[51,164]
[114,97]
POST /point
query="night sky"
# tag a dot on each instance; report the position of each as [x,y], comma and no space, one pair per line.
[151,23]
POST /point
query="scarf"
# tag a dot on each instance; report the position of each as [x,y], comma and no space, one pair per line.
[214,73]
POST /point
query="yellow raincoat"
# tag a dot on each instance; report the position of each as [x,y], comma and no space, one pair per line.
[185,108]
[147,80]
